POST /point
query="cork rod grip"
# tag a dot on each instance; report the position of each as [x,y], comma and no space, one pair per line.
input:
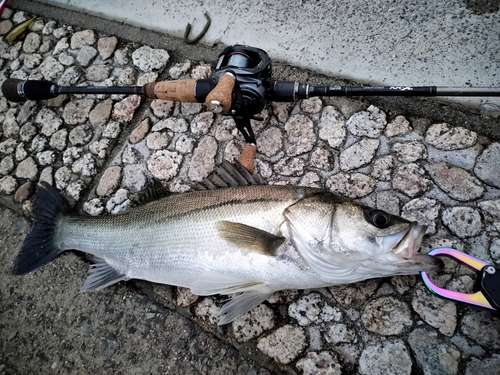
[219,99]
[178,91]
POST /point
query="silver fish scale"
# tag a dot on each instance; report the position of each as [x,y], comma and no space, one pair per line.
[175,240]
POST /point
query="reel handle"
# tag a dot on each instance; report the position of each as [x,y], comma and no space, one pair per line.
[219,100]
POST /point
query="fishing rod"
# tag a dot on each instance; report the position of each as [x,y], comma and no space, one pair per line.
[240,86]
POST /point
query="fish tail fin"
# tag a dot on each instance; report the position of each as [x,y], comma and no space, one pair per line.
[38,248]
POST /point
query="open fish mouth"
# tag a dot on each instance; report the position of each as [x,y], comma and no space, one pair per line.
[410,242]
[404,246]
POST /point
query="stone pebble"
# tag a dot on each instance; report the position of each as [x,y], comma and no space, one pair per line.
[491,212]
[101,113]
[433,356]
[208,310]
[409,152]
[424,211]
[446,137]
[479,326]
[456,182]
[149,59]
[438,313]
[135,178]
[369,123]
[399,126]
[359,154]
[300,136]
[185,297]
[487,167]
[203,160]
[340,333]
[354,295]
[270,141]
[109,181]
[312,309]
[119,202]
[47,137]
[253,323]
[410,179]
[322,363]
[463,221]
[290,167]
[485,366]
[284,344]
[332,127]
[390,357]
[164,164]
[352,185]
[386,316]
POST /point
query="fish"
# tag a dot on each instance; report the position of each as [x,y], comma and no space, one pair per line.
[233,236]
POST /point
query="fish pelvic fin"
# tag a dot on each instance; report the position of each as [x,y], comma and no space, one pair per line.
[241,304]
[254,292]
[38,248]
[101,276]
[248,237]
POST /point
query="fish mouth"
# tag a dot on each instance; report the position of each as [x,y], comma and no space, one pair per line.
[404,246]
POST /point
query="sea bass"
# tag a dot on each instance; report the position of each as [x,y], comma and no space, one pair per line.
[253,240]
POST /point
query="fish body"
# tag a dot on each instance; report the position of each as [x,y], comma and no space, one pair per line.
[253,239]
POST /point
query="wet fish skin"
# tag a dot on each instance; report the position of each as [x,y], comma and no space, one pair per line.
[250,239]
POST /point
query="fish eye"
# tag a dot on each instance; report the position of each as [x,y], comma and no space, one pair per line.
[380,219]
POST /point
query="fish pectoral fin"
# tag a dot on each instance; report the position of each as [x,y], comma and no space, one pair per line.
[241,304]
[249,237]
[101,276]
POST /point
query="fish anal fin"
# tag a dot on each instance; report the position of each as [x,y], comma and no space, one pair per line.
[248,237]
[101,276]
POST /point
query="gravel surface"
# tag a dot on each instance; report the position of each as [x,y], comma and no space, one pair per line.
[102,151]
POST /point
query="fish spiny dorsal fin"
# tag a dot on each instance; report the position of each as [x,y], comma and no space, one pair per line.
[153,193]
[248,237]
[229,174]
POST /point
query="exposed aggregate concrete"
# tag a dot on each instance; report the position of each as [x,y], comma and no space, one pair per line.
[102,151]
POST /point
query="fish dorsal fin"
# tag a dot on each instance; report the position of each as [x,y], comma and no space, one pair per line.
[229,174]
[101,276]
[248,237]
[153,193]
